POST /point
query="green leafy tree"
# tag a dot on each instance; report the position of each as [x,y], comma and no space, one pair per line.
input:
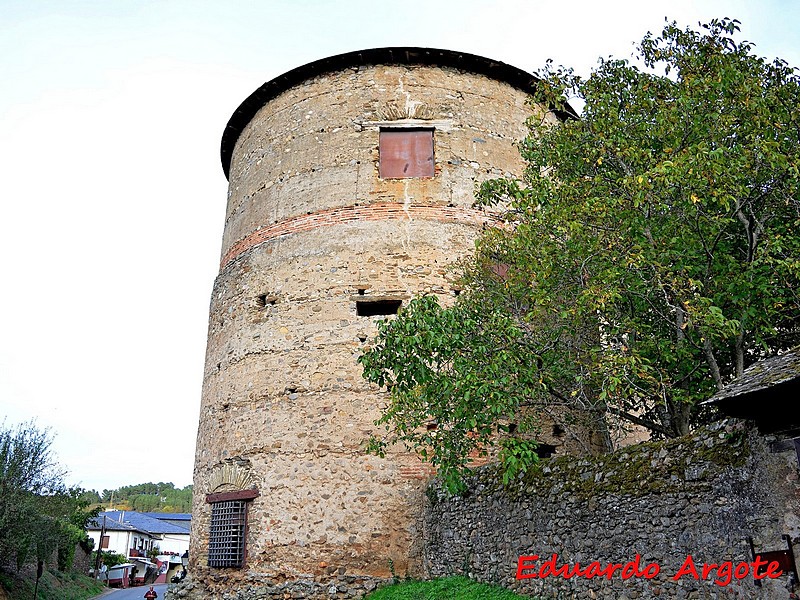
[457,381]
[651,251]
[28,472]
[39,515]
[109,558]
[151,497]
[74,512]
[90,496]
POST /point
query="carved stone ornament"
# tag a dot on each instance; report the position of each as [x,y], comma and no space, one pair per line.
[230,477]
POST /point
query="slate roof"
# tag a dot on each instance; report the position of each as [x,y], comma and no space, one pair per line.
[764,374]
[766,393]
[111,524]
[169,516]
[129,520]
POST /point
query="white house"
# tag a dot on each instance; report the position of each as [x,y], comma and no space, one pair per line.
[133,534]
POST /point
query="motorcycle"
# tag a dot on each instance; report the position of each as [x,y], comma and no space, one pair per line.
[178,577]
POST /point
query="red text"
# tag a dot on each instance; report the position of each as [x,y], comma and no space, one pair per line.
[725,572]
[527,568]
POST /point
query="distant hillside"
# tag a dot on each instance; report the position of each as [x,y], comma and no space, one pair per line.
[144,497]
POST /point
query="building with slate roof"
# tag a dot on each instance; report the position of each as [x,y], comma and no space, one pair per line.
[133,534]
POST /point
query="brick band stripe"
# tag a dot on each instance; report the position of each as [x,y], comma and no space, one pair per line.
[346,214]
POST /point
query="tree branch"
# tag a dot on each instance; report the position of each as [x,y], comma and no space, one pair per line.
[647,424]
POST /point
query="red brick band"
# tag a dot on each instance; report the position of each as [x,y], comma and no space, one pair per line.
[345,214]
[420,471]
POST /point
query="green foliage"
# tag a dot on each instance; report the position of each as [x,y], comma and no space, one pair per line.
[90,497]
[649,254]
[456,378]
[653,244]
[54,585]
[150,497]
[516,456]
[443,589]
[39,515]
[109,558]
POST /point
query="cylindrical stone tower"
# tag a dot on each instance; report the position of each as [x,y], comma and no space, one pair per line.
[351,190]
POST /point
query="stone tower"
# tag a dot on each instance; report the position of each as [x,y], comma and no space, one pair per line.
[351,190]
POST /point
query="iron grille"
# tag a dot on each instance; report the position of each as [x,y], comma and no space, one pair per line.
[226,542]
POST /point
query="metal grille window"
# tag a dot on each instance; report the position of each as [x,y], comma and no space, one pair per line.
[226,542]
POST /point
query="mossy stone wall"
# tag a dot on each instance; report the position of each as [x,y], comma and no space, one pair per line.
[701,496]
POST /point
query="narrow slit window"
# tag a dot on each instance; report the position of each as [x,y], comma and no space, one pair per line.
[375,308]
[406,153]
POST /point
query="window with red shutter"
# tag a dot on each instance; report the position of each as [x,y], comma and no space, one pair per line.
[405,153]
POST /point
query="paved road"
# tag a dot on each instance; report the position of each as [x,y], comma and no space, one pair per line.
[134,593]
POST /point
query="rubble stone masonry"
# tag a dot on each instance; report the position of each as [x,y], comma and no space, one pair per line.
[311,229]
[677,504]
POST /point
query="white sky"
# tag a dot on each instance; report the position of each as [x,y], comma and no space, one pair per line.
[112,197]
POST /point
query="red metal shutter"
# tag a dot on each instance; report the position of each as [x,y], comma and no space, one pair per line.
[406,153]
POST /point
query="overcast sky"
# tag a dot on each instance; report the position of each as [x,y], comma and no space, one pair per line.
[113,197]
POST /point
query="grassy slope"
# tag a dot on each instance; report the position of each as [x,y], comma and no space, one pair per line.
[53,585]
[449,588]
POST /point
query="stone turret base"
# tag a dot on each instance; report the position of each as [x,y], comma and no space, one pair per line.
[343,586]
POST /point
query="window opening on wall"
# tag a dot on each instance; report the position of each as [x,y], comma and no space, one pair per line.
[374,308]
[228,528]
[226,543]
[264,300]
[406,153]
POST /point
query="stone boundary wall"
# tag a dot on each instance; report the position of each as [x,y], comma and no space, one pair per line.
[699,496]
[81,561]
[339,587]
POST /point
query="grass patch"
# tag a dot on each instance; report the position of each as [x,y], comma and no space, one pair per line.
[448,588]
[54,585]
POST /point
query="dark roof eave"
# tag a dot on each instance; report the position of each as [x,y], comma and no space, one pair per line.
[765,393]
[374,56]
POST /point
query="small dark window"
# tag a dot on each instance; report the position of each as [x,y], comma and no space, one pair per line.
[374,308]
[105,541]
[226,542]
[406,153]
[264,300]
